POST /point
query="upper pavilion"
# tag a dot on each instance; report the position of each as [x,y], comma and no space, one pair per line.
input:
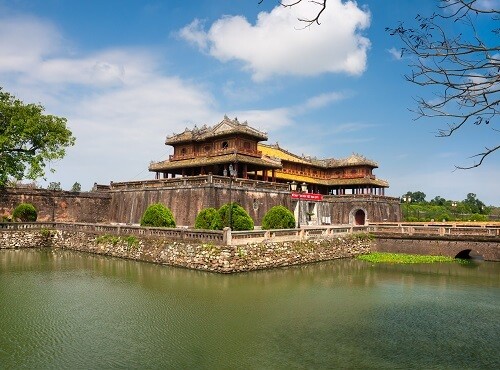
[214,149]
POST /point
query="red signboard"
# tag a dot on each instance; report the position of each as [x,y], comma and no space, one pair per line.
[307,196]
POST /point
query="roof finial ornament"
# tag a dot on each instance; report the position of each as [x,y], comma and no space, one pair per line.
[226,117]
[236,119]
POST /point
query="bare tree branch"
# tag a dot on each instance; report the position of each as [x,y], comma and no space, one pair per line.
[463,70]
[308,21]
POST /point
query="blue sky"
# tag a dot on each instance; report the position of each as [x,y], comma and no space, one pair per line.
[128,73]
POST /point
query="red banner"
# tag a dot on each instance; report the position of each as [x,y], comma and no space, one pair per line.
[307,196]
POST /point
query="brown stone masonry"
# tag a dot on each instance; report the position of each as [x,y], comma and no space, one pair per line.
[194,255]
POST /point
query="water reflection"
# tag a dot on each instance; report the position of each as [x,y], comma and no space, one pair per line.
[63,309]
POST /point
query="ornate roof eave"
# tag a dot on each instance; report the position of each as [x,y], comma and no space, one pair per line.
[206,161]
[332,182]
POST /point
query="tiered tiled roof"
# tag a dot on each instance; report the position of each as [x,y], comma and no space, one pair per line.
[223,128]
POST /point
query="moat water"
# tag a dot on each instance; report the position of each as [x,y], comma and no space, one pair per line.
[68,310]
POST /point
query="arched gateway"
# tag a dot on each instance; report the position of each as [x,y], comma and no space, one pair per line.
[357,216]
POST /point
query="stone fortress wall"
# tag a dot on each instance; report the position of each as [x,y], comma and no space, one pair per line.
[63,206]
[126,202]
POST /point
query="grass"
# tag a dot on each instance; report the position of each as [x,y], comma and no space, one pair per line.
[379,257]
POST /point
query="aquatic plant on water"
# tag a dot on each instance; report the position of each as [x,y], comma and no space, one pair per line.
[381,257]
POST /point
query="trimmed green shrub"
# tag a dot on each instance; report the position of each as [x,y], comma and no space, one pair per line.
[208,219]
[157,215]
[240,219]
[278,217]
[24,212]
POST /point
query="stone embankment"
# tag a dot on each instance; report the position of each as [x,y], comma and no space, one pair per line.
[194,255]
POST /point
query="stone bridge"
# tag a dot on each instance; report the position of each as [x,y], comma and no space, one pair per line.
[453,240]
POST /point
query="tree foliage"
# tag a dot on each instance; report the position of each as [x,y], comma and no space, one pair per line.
[208,219]
[240,219]
[77,187]
[461,70]
[56,186]
[157,215]
[439,208]
[29,139]
[414,196]
[278,217]
[25,212]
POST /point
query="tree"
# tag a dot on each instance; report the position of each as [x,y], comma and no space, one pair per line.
[208,219]
[416,196]
[55,186]
[473,205]
[157,215]
[29,139]
[461,70]
[234,216]
[438,200]
[76,187]
[25,212]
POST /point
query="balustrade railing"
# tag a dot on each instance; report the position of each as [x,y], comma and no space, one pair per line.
[226,236]
[455,229]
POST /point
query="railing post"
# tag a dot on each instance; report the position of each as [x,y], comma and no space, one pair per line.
[226,236]
[301,234]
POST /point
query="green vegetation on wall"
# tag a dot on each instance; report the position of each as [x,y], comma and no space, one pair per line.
[278,217]
[157,215]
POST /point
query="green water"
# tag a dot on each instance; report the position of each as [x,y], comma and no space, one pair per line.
[67,310]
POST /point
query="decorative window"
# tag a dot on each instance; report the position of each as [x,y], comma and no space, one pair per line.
[225,145]
[183,151]
[246,145]
[354,171]
[206,148]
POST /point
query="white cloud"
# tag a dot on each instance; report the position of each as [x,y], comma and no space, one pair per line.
[24,42]
[276,46]
[194,33]
[323,100]
[395,53]
[118,104]
[273,119]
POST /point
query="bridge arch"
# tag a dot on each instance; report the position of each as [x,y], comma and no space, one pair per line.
[469,254]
